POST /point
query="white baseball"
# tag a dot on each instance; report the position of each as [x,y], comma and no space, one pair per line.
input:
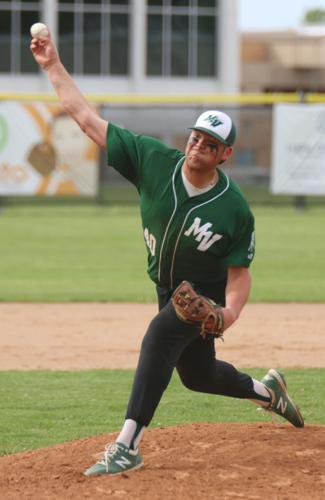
[39,30]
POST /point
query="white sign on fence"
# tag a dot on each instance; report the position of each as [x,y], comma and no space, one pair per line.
[43,152]
[298,149]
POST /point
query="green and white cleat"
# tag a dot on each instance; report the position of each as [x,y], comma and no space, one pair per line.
[116,459]
[281,403]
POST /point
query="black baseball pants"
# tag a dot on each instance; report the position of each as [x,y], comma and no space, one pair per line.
[170,343]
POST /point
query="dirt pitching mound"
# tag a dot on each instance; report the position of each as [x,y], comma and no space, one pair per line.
[226,461]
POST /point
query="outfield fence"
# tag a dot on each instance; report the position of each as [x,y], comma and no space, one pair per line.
[168,118]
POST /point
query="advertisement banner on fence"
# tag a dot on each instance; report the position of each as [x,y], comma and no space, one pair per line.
[43,152]
[298,149]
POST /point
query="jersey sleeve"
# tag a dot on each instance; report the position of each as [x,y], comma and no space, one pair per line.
[122,152]
[130,153]
[242,250]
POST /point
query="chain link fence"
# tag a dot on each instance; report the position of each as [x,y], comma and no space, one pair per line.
[169,120]
[249,166]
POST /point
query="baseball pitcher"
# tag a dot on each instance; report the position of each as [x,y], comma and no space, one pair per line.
[199,235]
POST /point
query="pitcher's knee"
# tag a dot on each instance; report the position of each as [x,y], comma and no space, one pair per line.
[190,382]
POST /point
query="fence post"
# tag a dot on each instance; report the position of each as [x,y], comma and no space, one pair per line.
[300,200]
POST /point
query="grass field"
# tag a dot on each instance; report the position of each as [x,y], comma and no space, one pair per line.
[60,253]
[94,253]
[41,408]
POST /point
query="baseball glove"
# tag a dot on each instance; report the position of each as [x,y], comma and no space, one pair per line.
[197,309]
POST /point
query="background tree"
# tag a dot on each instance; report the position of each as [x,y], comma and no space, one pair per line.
[314,16]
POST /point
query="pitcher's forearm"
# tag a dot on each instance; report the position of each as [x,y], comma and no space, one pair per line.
[71,98]
[237,293]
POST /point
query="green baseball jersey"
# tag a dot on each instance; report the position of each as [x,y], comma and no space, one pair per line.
[188,238]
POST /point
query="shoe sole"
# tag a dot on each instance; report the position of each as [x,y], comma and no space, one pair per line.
[273,373]
[138,466]
[128,470]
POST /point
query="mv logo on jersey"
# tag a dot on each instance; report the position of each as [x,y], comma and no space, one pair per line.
[202,234]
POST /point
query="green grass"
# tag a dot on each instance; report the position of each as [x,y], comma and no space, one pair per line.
[77,253]
[290,253]
[56,253]
[42,408]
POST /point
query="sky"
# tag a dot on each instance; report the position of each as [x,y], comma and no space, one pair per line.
[274,14]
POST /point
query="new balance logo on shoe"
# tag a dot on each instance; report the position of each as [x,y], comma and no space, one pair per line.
[282,405]
[116,459]
[123,462]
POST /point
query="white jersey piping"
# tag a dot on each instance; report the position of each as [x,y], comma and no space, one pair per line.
[185,219]
[171,217]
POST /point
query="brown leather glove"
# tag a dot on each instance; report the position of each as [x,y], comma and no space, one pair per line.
[197,309]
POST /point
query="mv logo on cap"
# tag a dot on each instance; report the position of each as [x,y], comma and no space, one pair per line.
[218,125]
[214,120]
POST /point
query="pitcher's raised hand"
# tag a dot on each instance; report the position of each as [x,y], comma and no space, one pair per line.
[44,51]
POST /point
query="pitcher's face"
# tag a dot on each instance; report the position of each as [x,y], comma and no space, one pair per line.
[204,151]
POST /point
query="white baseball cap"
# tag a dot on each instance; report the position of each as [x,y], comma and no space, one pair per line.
[217,124]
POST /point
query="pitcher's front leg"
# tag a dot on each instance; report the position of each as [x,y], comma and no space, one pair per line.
[162,346]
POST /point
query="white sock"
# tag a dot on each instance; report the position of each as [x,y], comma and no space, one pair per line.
[131,433]
[261,390]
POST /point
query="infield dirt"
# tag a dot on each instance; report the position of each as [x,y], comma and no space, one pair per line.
[197,461]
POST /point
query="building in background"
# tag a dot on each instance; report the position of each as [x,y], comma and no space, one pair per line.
[126,46]
[129,47]
[283,61]
[278,61]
